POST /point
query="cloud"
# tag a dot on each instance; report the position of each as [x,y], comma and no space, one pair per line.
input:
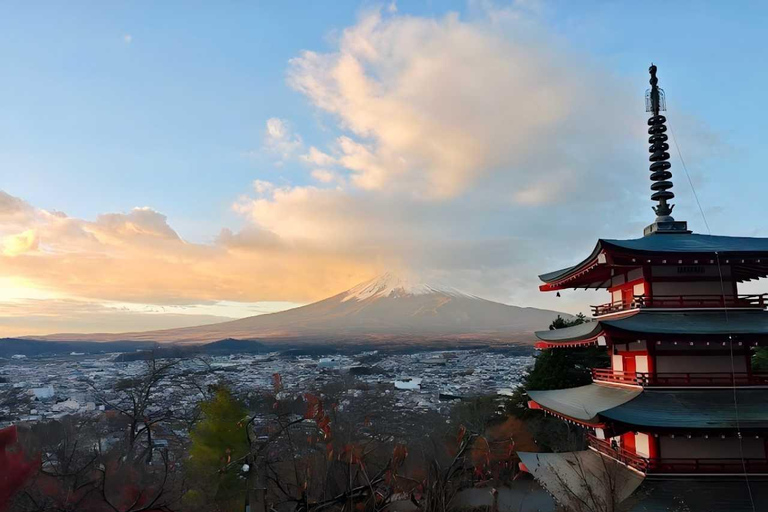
[138,257]
[471,152]
[317,157]
[476,158]
[13,209]
[325,176]
[21,243]
[36,316]
[470,105]
[280,139]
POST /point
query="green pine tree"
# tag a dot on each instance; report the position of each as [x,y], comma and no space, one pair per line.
[219,440]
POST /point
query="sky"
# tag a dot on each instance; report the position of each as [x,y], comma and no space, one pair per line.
[178,163]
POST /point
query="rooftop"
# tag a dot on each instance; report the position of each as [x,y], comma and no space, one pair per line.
[754,252]
[681,324]
[679,409]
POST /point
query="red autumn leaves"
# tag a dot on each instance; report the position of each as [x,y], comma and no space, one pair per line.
[15,469]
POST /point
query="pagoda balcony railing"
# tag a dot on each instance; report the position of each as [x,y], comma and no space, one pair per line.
[690,379]
[687,465]
[758,301]
[630,459]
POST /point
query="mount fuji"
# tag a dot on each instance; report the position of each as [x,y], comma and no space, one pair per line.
[385,310]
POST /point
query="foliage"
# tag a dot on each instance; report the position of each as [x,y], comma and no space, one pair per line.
[760,360]
[15,469]
[218,439]
[561,323]
[78,473]
[565,367]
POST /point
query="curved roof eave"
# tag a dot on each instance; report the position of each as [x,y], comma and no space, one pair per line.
[556,275]
[698,409]
[582,478]
[688,323]
[690,243]
[581,332]
[584,403]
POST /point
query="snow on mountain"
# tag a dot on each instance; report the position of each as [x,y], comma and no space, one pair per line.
[388,309]
[392,285]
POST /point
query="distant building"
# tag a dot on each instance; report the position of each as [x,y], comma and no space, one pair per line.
[42,393]
[66,406]
[408,383]
[680,420]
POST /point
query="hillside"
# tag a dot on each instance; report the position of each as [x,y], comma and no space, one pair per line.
[385,308]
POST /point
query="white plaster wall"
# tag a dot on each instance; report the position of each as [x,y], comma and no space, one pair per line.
[643,444]
[712,448]
[618,363]
[641,364]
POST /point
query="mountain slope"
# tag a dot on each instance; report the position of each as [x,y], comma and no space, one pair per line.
[384,308]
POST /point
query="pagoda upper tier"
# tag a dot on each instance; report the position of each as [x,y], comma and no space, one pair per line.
[683,256]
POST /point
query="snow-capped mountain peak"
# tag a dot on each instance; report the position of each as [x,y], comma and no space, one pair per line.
[392,285]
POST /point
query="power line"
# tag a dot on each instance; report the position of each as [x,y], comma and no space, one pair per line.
[725,311]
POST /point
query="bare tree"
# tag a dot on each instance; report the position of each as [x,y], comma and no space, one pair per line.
[133,399]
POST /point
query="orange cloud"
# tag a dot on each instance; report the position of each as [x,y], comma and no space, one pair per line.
[138,257]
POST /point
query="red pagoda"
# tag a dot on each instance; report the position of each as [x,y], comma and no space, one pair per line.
[680,419]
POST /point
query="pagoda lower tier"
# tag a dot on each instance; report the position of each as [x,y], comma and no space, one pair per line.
[590,480]
[669,431]
[623,408]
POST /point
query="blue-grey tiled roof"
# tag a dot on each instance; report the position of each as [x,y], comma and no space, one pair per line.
[717,494]
[673,244]
[667,322]
[573,333]
[694,409]
[585,402]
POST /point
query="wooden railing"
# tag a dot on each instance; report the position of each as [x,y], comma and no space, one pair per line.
[608,375]
[692,465]
[618,453]
[691,379]
[759,301]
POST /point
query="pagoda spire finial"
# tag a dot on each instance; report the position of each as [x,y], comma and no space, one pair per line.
[660,174]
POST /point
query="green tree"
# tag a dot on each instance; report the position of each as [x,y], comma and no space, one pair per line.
[565,367]
[219,440]
[760,360]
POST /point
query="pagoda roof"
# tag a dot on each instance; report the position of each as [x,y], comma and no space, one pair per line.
[698,409]
[584,403]
[579,478]
[716,494]
[674,409]
[680,323]
[664,244]
[582,478]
